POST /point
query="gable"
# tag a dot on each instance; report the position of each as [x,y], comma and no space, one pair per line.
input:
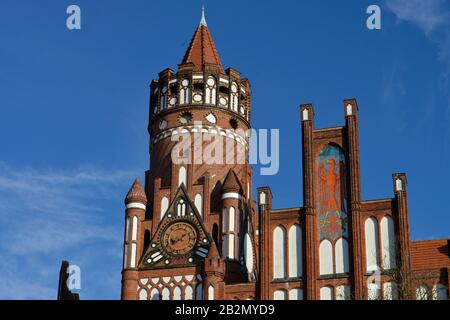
[181,238]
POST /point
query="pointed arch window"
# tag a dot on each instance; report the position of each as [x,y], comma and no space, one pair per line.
[198,203]
[210,90]
[279,253]
[181,208]
[163,102]
[234,97]
[388,245]
[279,295]
[182,176]
[164,207]
[143,294]
[177,293]
[371,235]
[341,256]
[155,295]
[295,251]
[326,293]
[185,91]
[210,293]
[326,257]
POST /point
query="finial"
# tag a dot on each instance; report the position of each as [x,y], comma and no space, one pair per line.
[203,20]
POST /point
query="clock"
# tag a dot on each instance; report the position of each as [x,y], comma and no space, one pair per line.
[179,238]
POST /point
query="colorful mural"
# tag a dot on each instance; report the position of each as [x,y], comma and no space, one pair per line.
[332,203]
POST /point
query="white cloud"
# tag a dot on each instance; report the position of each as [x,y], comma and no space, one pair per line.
[429,15]
[49,215]
[432,17]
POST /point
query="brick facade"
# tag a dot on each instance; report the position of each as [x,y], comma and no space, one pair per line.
[195,232]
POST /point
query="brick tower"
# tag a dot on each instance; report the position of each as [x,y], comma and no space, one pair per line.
[191,228]
[194,232]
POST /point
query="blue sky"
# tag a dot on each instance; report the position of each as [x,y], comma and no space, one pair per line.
[74,110]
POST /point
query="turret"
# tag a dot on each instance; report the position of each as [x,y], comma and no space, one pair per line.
[231,204]
[135,206]
[215,273]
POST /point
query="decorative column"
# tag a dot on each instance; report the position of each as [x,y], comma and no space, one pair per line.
[214,285]
[135,202]
[310,235]
[351,117]
[401,201]
[265,206]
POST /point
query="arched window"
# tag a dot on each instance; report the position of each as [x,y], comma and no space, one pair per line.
[296,294]
[133,244]
[163,98]
[185,91]
[143,294]
[341,256]
[248,253]
[234,97]
[166,294]
[177,293]
[155,295]
[210,293]
[295,251]
[135,226]
[127,229]
[188,293]
[182,176]
[181,208]
[232,222]
[440,292]
[326,293]
[390,291]
[125,256]
[279,295]
[422,293]
[127,239]
[388,252]
[279,253]
[326,257]
[231,239]
[164,207]
[343,292]
[372,254]
[198,203]
[225,220]
[215,233]
[373,291]
[210,91]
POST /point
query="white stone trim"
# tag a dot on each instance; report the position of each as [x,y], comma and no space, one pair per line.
[213,130]
[231,195]
[135,205]
[349,110]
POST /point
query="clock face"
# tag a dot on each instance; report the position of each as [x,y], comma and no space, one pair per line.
[179,238]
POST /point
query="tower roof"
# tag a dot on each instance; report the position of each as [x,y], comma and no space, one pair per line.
[202,49]
[136,193]
[231,183]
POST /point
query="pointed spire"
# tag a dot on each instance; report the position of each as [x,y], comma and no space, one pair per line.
[136,194]
[203,20]
[231,183]
[202,49]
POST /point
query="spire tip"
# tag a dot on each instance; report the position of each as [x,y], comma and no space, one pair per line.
[203,20]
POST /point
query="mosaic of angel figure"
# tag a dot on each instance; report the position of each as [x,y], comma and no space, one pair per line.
[332,211]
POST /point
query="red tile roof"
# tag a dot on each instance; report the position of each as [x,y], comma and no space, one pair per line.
[136,193]
[202,50]
[430,254]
